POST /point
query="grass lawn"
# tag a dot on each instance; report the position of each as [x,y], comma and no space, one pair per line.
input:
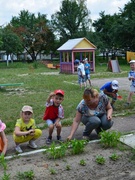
[39,81]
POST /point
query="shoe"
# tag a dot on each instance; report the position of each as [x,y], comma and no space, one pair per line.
[86,137]
[49,140]
[98,130]
[59,138]
[32,144]
[18,149]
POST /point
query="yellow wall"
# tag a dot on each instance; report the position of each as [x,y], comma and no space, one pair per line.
[84,44]
[130,56]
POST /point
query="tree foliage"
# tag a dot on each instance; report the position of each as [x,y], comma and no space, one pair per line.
[10,42]
[117,31]
[72,20]
[34,33]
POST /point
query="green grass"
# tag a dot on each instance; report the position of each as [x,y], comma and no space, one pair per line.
[38,85]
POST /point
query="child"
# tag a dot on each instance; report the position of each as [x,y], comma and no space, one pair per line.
[131,77]
[25,129]
[87,71]
[54,113]
[81,74]
[3,139]
[111,90]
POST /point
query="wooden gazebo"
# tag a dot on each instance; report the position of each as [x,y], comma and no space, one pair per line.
[73,49]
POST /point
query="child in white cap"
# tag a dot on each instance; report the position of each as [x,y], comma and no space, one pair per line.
[25,129]
[3,139]
[131,77]
[111,89]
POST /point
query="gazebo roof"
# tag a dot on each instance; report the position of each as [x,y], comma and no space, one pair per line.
[78,43]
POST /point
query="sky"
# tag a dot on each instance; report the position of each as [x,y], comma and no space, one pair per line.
[10,8]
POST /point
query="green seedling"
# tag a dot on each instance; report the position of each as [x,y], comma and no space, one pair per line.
[77,146]
[114,157]
[3,163]
[109,138]
[82,162]
[52,171]
[57,152]
[5,176]
[68,167]
[100,159]
[26,175]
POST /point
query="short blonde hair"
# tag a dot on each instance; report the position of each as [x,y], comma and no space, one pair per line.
[90,93]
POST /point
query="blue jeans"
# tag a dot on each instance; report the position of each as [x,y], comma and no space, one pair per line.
[95,122]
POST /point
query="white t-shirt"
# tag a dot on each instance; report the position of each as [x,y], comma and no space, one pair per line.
[81,69]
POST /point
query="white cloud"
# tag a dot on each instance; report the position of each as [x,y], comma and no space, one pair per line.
[9,8]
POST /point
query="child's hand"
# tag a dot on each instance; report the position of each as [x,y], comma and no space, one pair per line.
[52,94]
[32,132]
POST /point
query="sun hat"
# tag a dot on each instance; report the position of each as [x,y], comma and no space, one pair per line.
[132,61]
[115,84]
[27,108]
[2,126]
[59,91]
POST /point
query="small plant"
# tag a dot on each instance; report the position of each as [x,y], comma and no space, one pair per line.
[114,157]
[26,175]
[77,146]
[109,138]
[100,159]
[52,171]
[3,163]
[5,176]
[68,167]
[57,152]
[82,162]
[132,155]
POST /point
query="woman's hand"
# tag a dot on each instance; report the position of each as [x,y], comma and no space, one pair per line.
[69,138]
[109,111]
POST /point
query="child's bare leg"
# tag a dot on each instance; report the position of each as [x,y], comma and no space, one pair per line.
[58,129]
[51,128]
[129,97]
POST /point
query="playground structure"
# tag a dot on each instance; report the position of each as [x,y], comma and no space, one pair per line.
[79,48]
[130,56]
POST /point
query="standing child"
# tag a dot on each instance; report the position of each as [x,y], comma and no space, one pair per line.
[54,113]
[81,74]
[25,130]
[87,71]
[131,77]
[3,139]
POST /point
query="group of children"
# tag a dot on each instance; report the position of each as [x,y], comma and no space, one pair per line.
[83,72]
[25,127]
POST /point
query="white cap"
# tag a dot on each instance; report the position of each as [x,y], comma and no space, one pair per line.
[115,84]
[132,61]
[27,108]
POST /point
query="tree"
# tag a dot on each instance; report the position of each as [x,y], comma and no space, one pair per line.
[72,20]
[103,28]
[10,42]
[117,31]
[34,33]
[126,26]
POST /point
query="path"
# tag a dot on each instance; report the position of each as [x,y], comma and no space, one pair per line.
[124,83]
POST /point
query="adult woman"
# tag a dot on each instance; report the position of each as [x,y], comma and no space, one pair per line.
[94,111]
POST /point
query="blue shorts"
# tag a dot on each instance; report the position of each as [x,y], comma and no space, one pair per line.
[80,79]
[87,76]
[49,122]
